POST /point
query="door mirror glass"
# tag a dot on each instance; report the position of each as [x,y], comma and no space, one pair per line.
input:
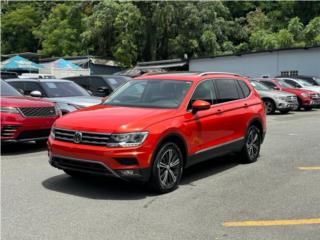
[103,91]
[35,94]
[200,105]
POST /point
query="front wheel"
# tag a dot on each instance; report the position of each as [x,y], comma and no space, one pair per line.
[270,106]
[251,149]
[167,168]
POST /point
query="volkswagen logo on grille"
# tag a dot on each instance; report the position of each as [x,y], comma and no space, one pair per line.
[77,137]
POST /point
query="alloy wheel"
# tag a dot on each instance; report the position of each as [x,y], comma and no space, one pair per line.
[169,167]
[253,143]
[269,106]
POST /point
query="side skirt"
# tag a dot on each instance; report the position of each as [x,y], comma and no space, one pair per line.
[216,151]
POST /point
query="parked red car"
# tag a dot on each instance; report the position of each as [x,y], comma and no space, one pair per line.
[153,127]
[25,118]
[307,99]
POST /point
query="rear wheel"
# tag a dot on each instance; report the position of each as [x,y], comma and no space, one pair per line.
[251,149]
[270,106]
[167,168]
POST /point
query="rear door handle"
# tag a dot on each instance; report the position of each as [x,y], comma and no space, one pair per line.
[219,111]
[245,105]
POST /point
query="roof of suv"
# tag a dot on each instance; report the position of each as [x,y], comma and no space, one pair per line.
[37,80]
[191,76]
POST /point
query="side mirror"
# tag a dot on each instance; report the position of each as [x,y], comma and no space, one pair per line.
[200,105]
[35,94]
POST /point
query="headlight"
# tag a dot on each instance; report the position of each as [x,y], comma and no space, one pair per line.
[127,139]
[305,95]
[75,106]
[10,110]
[52,135]
[58,110]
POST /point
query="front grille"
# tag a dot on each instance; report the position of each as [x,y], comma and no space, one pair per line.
[315,96]
[80,165]
[38,111]
[292,99]
[89,138]
[8,131]
[34,134]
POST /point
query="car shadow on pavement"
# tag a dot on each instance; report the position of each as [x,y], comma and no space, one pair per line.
[21,148]
[209,168]
[96,187]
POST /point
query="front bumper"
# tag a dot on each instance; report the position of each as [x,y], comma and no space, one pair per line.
[101,160]
[16,128]
[284,105]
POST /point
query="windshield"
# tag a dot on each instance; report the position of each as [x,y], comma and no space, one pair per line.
[150,94]
[63,89]
[259,86]
[116,82]
[7,90]
[317,80]
[304,83]
[284,84]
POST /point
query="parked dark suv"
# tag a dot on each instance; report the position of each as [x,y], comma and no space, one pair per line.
[154,126]
[100,85]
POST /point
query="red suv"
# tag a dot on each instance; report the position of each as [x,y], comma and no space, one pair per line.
[25,118]
[153,127]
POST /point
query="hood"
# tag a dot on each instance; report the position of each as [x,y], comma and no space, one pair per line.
[84,101]
[272,94]
[24,102]
[298,91]
[313,88]
[108,119]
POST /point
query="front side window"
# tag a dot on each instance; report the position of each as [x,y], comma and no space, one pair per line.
[150,94]
[63,89]
[116,82]
[259,86]
[293,83]
[205,92]
[227,90]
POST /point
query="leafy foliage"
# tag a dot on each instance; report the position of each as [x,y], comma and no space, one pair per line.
[143,31]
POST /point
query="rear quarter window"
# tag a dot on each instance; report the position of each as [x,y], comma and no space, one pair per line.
[244,87]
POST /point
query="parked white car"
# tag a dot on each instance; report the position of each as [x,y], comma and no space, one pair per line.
[299,83]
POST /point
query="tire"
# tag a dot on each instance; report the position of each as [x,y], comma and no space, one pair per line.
[307,108]
[41,142]
[284,111]
[75,174]
[270,106]
[251,149]
[167,168]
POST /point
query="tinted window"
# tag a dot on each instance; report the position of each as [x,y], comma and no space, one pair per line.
[269,84]
[82,81]
[292,83]
[245,88]
[115,82]
[18,85]
[227,90]
[96,83]
[150,94]
[205,92]
[7,90]
[32,86]
[63,89]
[259,86]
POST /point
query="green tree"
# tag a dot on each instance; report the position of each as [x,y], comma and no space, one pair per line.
[312,32]
[284,39]
[60,34]
[16,30]
[295,27]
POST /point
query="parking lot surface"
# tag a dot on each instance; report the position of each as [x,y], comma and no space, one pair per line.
[275,198]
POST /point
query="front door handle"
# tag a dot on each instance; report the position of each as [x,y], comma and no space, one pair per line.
[219,111]
[245,105]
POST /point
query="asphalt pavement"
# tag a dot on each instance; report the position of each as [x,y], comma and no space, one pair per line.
[276,198]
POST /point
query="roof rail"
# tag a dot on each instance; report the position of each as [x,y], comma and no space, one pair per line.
[208,73]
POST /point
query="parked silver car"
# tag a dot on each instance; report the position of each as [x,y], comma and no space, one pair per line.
[68,95]
[276,100]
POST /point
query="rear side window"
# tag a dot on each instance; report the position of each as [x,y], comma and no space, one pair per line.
[244,87]
[227,90]
[82,81]
[97,82]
